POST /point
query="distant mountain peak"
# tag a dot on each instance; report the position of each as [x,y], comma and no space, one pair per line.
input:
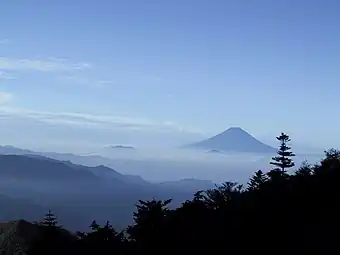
[234,139]
[235,130]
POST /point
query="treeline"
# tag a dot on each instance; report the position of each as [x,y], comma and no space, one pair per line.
[276,213]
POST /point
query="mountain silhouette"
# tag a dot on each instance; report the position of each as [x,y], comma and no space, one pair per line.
[31,183]
[234,139]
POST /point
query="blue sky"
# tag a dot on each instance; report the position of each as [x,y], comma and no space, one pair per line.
[167,72]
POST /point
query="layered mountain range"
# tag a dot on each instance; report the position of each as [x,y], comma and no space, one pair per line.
[80,189]
[31,183]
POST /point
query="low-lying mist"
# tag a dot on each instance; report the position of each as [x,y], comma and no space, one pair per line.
[159,165]
[106,184]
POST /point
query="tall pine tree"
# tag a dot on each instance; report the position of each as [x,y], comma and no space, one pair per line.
[283,160]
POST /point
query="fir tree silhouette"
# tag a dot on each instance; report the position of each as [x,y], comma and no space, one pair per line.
[52,239]
[283,161]
[50,220]
[257,180]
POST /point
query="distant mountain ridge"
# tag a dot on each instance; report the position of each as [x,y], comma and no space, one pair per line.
[234,139]
[69,160]
[75,191]
[40,168]
[68,166]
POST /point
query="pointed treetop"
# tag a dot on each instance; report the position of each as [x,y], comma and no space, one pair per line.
[283,160]
[235,129]
[50,220]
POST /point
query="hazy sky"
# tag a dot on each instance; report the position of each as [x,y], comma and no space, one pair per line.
[162,72]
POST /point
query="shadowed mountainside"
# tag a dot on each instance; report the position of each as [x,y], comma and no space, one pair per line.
[16,236]
[38,168]
[32,183]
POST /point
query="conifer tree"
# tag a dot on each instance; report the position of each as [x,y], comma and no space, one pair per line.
[257,180]
[149,218]
[50,220]
[304,170]
[94,226]
[283,160]
[50,240]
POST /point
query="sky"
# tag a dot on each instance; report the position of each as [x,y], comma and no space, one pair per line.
[91,73]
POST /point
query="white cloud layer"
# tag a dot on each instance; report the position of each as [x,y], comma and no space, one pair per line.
[41,65]
[94,83]
[81,132]
[6,76]
[84,120]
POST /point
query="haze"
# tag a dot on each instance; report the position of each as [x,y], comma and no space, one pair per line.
[103,103]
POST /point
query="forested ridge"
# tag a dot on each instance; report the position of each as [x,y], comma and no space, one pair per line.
[275,213]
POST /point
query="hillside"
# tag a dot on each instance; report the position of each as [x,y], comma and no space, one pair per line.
[40,168]
[16,236]
[233,139]
[78,194]
[21,237]
[19,208]
[58,166]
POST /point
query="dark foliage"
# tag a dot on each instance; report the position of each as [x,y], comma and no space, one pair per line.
[277,213]
[52,239]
